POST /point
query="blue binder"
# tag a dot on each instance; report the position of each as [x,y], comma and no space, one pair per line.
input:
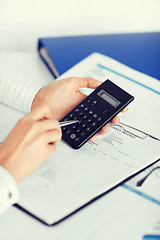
[140,51]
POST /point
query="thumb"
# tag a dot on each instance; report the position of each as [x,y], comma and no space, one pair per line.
[88,83]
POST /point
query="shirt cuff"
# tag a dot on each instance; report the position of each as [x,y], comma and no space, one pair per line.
[30,95]
[9,193]
[17,90]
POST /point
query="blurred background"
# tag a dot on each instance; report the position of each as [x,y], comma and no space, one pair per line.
[22,22]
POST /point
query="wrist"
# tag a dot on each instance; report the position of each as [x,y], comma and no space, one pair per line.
[45,96]
[37,99]
[6,161]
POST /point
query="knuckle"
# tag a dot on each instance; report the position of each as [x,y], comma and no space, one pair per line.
[86,82]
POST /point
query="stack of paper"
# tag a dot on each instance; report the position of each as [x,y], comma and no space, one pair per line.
[71,178]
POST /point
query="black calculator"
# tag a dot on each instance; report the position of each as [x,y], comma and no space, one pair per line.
[94,112]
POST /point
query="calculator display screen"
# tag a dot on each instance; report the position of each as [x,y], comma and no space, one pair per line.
[108,98]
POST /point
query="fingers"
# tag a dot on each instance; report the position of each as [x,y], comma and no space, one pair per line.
[53,132]
[52,139]
[125,110]
[41,112]
[88,83]
[46,130]
[115,120]
[92,139]
[104,130]
[53,136]
[49,124]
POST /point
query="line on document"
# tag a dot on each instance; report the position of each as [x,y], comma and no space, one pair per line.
[128,78]
[146,196]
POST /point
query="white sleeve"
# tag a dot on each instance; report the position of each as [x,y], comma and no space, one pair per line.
[8,190]
[16,90]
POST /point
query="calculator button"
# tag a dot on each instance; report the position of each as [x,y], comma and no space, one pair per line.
[93,124]
[99,119]
[78,130]
[77,139]
[86,109]
[64,128]
[71,115]
[68,132]
[90,112]
[83,134]
[85,117]
[83,125]
[72,136]
[89,120]
[88,129]
[81,114]
[77,110]
[75,118]
[94,102]
[95,116]
[82,105]
[74,126]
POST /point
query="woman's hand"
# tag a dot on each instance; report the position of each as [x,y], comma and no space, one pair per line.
[32,140]
[63,95]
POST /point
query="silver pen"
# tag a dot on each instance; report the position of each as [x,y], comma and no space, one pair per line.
[65,123]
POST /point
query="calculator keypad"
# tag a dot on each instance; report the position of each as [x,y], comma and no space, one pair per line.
[88,120]
[94,112]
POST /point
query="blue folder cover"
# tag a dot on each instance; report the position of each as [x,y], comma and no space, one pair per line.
[151,237]
[140,51]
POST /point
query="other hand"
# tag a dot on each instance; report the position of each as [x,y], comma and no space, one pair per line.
[63,95]
[32,140]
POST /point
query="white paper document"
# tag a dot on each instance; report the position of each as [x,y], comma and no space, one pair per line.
[71,178]
[120,210]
